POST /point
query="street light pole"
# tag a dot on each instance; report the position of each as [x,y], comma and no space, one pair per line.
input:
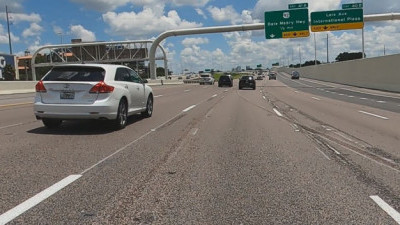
[327,48]
[300,55]
[8,26]
[363,41]
[315,49]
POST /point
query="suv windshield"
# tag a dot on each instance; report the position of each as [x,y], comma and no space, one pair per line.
[75,73]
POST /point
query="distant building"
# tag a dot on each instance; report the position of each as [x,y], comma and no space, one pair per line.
[6,59]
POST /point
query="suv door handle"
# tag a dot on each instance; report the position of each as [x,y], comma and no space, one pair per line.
[126,86]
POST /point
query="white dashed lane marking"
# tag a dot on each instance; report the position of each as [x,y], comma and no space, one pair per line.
[387,208]
[374,115]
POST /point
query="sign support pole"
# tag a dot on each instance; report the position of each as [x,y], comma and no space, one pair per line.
[363,41]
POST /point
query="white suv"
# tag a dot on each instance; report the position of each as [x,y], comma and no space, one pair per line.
[91,91]
[206,78]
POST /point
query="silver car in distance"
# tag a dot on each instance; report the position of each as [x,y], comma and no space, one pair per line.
[91,91]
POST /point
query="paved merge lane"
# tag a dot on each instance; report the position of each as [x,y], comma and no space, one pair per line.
[208,156]
[390,102]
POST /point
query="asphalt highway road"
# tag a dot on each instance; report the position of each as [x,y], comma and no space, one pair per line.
[285,153]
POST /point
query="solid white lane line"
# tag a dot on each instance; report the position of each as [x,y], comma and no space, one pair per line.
[28,204]
[214,96]
[194,131]
[157,96]
[333,149]
[189,108]
[327,128]
[387,208]
[371,114]
[295,127]
[16,104]
[323,153]
[374,94]
[364,156]
[277,112]
[12,125]
[318,99]
[318,83]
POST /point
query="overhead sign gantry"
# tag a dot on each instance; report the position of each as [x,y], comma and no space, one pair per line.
[291,23]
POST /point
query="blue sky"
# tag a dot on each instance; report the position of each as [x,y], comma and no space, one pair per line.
[41,22]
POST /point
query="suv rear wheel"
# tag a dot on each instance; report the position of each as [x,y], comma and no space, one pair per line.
[149,107]
[122,115]
[51,123]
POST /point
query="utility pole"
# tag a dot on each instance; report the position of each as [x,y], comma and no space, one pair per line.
[327,48]
[384,50]
[315,49]
[363,41]
[300,55]
[8,26]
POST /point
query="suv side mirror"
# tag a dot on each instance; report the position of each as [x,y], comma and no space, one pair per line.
[145,81]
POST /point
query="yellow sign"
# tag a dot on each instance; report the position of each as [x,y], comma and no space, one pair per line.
[296,34]
[332,27]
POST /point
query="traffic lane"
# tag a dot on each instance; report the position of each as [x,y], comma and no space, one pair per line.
[376,101]
[101,186]
[354,89]
[375,126]
[33,157]
[246,165]
[363,94]
[370,141]
[13,116]
[12,99]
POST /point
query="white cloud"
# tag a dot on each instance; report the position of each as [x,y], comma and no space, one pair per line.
[111,5]
[4,36]
[102,5]
[227,13]
[13,6]
[144,24]
[190,2]
[78,31]
[21,17]
[57,30]
[34,30]
[201,13]
[263,6]
[381,6]
[187,42]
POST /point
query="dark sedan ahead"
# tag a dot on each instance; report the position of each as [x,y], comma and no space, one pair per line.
[247,82]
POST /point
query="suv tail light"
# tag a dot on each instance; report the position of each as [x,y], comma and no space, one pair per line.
[40,87]
[101,87]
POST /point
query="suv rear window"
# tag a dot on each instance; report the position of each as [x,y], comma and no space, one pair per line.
[75,73]
[224,78]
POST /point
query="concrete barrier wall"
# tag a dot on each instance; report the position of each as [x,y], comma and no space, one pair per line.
[380,73]
[18,87]
[8,87]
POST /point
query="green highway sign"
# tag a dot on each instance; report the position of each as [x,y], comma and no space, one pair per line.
[259,65]
[287,24]
[337,20]
[207,70]
[298,6]
[352,6]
